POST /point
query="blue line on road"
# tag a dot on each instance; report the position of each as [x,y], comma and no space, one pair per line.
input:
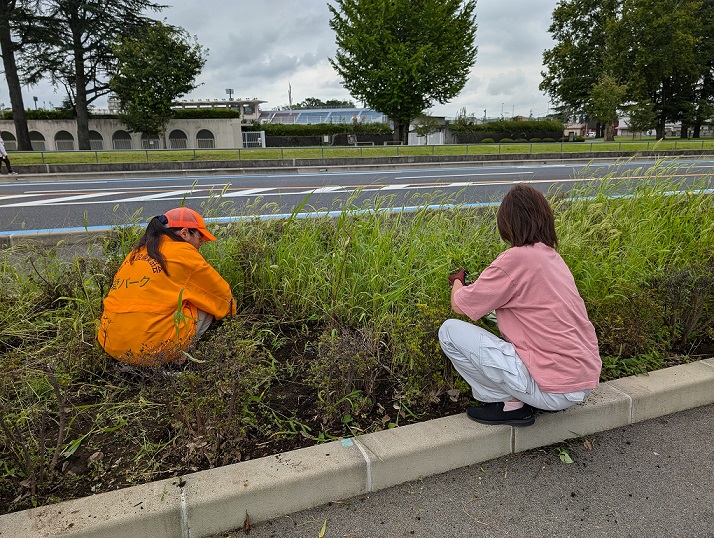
[314,214]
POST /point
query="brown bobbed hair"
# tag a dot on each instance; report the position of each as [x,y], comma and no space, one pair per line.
[526,218]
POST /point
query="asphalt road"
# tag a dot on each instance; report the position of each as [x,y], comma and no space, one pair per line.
[95,203]
[651,479]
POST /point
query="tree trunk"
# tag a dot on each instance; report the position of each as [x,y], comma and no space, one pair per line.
[396,136]
[401,132]
[697,130]
[660,128]
[610,132]
[684,133]
[81,97]
[19,115]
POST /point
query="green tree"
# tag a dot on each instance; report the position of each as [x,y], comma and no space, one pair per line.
[15,20]
[656,42]
[703,109]
[580,55]
[426,125]
[310,102]
[399,57]
[155,66]
[606,98]
[75,48]
[642,117]
[651,46]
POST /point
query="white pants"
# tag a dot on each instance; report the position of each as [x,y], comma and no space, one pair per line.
[204,322]
[494,370]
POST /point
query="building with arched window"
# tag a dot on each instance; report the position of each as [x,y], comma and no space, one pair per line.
[108,134]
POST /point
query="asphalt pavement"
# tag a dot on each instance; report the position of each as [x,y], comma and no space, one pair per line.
[650,479]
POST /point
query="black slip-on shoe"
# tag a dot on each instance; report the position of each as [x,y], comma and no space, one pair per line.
[493,413]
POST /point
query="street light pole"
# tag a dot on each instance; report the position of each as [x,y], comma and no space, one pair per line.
[230,93]
[35,100]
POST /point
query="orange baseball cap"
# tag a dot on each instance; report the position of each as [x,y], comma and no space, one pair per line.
[184,217]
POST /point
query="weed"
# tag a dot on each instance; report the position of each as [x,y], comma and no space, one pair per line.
[336,332]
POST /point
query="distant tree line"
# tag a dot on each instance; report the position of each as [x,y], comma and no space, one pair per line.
[314,102]
[650,59]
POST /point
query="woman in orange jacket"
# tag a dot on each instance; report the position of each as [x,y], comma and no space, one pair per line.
[165,295]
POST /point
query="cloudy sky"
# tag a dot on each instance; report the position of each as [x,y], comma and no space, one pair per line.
[261,48]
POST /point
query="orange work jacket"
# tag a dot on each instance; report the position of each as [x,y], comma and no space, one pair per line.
[149,316]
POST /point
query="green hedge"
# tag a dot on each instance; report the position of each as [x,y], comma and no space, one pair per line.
[507,126]
[205,113]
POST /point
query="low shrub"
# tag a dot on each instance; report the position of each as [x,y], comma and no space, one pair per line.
[506,126]
[534,140]
[487,141]
[506,140]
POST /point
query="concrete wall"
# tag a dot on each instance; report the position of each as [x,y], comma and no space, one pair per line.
[106,134]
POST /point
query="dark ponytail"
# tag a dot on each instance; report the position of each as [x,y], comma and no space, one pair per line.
[151,239]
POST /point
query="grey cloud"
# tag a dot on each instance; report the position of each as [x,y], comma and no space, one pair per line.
[506,84]
[257,48]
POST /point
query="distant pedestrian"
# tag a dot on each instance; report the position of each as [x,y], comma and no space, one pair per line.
[4,158]
[548,357]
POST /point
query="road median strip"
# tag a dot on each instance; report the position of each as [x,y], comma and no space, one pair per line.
[220,499]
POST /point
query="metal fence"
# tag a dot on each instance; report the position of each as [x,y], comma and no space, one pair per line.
[553,148]
[253,139]
[178,143]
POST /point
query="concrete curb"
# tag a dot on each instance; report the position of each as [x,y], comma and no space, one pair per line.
[209,502]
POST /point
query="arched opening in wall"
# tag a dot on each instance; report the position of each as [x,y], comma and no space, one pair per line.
[121,140]
[10,140]
[178,139]
[150,141]
[64,141]
[205,139]
[96,142]
[37,141]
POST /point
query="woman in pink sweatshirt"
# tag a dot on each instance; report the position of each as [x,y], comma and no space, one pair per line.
[548,357]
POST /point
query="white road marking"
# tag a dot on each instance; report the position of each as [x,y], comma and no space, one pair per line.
[442,176]
[393,187]
[159,196]
[13,196]
[321,190]
[248,192]
[129,190]
[62,200]
[84,198]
